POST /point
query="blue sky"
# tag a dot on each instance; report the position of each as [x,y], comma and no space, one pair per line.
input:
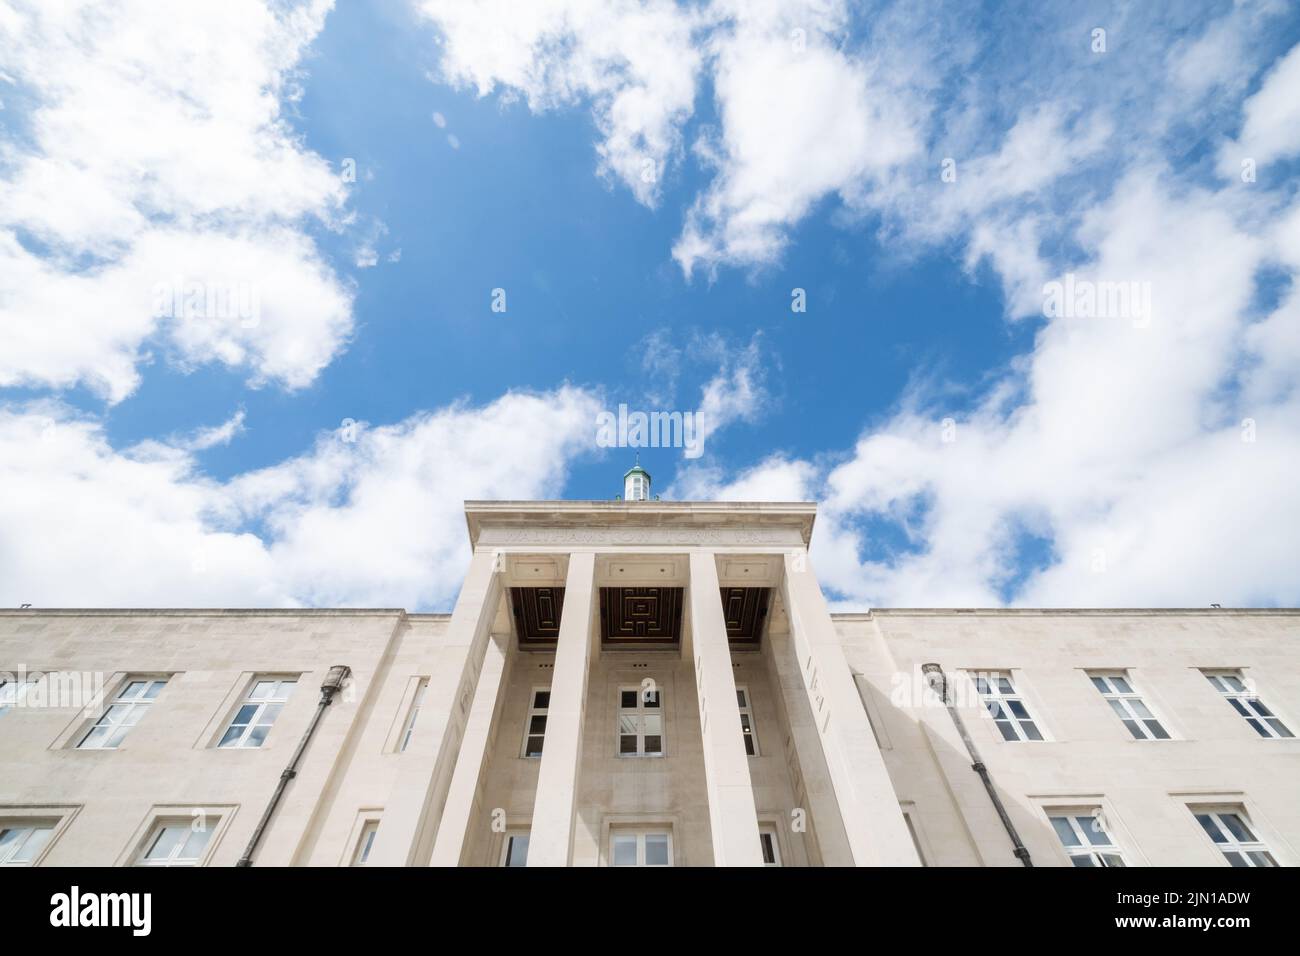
[588,274]
[967,448]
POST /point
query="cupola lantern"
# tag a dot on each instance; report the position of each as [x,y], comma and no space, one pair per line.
[636,483]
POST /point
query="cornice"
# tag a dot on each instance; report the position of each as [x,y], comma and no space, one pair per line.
[640,522]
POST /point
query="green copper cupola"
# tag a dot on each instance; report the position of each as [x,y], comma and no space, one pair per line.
[636,483]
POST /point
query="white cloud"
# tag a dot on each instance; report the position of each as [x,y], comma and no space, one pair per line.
[373,522]
[800,120]
[222,434]
[1115,450]
[1154,457]
[736,393]
[635,62]
[157,152]
[774,479]
[1271,122]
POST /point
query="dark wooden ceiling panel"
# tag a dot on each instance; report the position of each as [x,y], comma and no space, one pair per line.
[537,614]
[744,611]
[640,615]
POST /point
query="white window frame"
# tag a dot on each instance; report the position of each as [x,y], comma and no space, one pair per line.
[639,714]
[768,830]
[535,711]
[126,709]
[1231,843]
[1128,705]
[365,843]
[22,844]
[417,699]
[1234,688]
[1084,824]
[14,689]
[174,858]
[997,700]
[640,836]
[746,705]
[261,705]
[512,834]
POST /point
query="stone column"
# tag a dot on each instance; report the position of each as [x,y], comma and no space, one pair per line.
[550,841]
[453,829]
[819,796]
[877,833]
[732,816]
[414,807]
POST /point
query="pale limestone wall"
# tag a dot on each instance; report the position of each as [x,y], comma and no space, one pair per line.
[367,769]
[351,768]
[1143,785]
[168,759]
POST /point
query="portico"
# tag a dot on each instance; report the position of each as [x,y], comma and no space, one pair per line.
[676,666]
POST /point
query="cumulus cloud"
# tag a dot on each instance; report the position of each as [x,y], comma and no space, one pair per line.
[367,517]
[635,62]
[800,119]
[1270,128]
[774,479]
[1136,457]
[1139,458]
[156,156]
[1131,460]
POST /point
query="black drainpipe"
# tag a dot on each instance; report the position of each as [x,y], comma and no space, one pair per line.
[939,682]
[333,681]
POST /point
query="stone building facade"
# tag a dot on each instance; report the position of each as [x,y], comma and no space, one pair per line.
[648,683]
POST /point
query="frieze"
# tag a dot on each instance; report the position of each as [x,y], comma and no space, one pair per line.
[640,536]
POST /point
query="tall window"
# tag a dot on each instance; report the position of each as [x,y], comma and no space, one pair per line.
[364,843]
[175,844]
[1085,839]
[1128,706]
[767,843]
[416,701]
[535,727]
[1243,700]
[256,715]
[13,690]
[641,848]
[640,723]
[747,721]
[515,850]
[21,844]
[1007,707]
[1234,837]
[132,703]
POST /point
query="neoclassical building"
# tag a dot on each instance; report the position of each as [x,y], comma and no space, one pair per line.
[637,682]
